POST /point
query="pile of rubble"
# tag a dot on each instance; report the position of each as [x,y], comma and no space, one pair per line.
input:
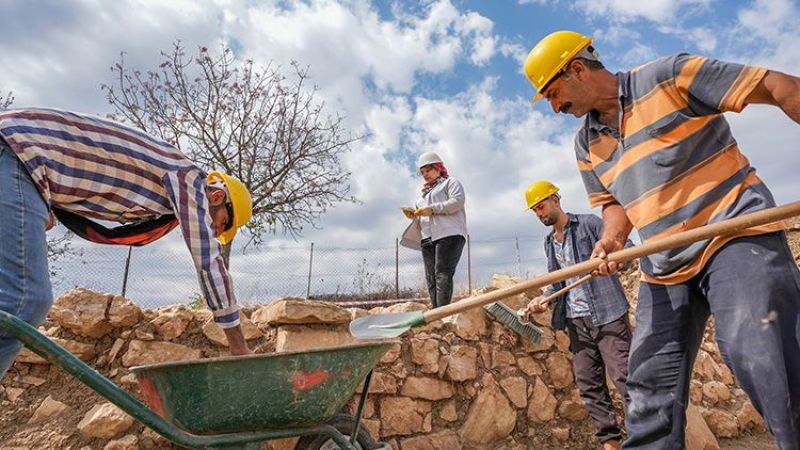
[465,382]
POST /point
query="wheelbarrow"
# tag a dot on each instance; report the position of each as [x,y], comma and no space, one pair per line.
[236,403]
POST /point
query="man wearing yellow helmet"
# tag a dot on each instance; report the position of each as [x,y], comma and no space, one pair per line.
[77,168]
[594,314]
[656,153]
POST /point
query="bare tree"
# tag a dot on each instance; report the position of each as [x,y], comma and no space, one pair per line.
[254,123]
[6,101]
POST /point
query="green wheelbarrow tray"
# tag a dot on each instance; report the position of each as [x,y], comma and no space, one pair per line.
[280,390]
[233,402]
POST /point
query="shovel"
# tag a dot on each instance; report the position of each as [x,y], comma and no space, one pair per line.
[382,326]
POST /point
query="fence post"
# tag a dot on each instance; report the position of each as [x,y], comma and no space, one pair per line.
[310,265]
[127,266]
[469,267]
[396,268]
[519,260]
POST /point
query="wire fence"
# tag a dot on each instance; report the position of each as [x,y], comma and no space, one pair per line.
[162,273]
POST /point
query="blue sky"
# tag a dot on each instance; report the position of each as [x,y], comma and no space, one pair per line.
[441,75]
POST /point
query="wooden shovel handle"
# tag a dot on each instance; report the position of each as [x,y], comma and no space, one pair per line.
[566,289]
[722,228]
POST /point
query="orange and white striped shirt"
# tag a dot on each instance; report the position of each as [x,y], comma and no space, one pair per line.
[674,164]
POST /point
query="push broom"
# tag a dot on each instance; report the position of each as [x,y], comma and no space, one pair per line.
[382,326]
[518,320]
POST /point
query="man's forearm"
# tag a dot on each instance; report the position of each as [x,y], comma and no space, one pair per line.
[616,226]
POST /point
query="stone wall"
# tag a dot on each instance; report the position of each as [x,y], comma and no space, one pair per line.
[465,382]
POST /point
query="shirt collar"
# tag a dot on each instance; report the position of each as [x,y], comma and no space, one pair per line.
[623,89]
[571,220]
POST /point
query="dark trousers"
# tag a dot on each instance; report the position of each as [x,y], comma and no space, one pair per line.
[752,286]
[596,349]
[441,258]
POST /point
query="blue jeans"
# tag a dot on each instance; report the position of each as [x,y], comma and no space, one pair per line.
[25,289]
[752,286]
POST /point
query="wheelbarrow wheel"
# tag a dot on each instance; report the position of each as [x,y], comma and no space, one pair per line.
[344,424]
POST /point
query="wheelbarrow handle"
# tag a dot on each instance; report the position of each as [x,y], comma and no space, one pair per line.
[722,228]
[55,354]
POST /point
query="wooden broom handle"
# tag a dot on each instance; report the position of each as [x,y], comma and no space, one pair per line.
[565,289]
[722,228]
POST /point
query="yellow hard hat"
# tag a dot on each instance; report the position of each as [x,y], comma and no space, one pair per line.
[239,200]
[550,55]
[539,191]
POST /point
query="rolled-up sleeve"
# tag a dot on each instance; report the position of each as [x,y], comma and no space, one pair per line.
[187,193]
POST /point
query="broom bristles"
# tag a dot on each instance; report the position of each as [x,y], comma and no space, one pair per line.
[509,318]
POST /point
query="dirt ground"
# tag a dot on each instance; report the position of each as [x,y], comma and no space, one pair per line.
[757,442]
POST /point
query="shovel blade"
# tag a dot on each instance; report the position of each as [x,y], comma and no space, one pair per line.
[384,326]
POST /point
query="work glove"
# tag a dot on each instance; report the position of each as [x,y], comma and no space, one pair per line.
[409,213]
[424,211]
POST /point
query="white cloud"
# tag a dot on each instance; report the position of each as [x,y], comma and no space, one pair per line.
[658,11]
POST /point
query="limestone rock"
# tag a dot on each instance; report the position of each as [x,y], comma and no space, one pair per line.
[427,388]
[14,393]
[448,412]
[698,434]
[404,416]
[425,352]
[529,366]
[725,375]
[462,363]
[502,359]
[83,312]
[293,338]
[560,434]
[572,410]
[542,405]
[128,442]
[381,383]
[399,308]
[723,424]
[696,391]
[562,342]
[544,343]
[559,367]
[115,348]
[172,321]
[122,312]
[516,388]
[298,311]
[32,380]
[153,352]
[490,418]
[47,409]
[392,354]
[83,351]
[214,332]
[443,440]
[104,421]
[704,366]
[715,392]
[503,336]
[749,419]
[469,325]
[27,356]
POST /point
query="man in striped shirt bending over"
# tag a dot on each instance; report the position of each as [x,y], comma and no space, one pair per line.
[656,153]
[79,168]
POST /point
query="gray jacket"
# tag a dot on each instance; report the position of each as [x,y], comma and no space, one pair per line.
[447,201]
